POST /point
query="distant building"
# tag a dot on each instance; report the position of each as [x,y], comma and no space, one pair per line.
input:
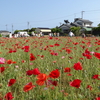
[45,31]
[4,33]
[83,22]
[78,22]
[65,27]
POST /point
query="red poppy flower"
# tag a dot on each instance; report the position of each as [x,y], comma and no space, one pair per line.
[51,45]
[36,71]
[68,51]
[97,55]
[69,74]
[11,82]
[83,42]
[50,37]
[54,83]
[42,56]
[9,61]
[9,96]
[84,54]
[2,69]
[26,48]
[71,57]
[28,87]
[53,53]
[56,44]
[32,57]
[88,56]
[54,74]
[89,87]
[87,51]
[76,43]
[75,83]
[81,58]
[40,82]
[23,61]
[29,72]
[67,69]
[41,78]
[96,77]
[77,66]
[14,62]
[98,98]
[11,51]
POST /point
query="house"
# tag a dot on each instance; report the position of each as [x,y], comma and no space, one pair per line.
[4,33]
[78,22]
[83,22]
[65,27]
[45,31]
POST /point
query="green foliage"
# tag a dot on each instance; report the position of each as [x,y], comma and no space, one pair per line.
[75,30]
[16,31]
[0,35]
[35,32]
[96,30]
[32,30]
[27,30]
[98,25]
[57,29]
[30,33]
[7,35]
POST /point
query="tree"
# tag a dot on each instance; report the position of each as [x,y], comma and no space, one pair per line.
[99,25]
[32,30]
[16,31]
[75,30]
[57,29]
[96,31]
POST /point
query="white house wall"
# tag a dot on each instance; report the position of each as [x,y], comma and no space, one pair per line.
[45,30]
[42,30]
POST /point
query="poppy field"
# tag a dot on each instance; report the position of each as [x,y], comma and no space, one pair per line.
[50,68]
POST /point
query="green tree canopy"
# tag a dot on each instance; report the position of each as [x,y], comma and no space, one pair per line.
[75,30]
[57,29]
[96,30]
[16,31]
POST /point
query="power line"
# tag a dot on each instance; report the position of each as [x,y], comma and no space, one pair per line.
[92,10]
[62,16]
[74,15]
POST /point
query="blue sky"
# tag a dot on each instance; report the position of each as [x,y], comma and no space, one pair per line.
[45,13]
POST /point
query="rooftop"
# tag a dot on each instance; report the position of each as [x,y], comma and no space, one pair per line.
[43,28]
[83,20]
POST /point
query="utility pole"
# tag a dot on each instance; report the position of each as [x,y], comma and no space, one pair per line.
[6,27]
[28,25]
[82,14]
[12,28]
